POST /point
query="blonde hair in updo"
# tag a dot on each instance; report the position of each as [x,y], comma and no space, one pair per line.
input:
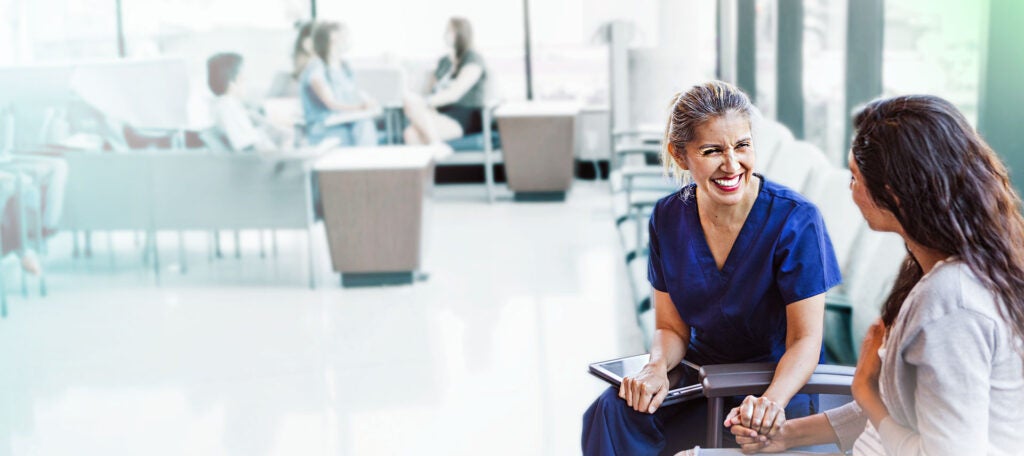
[691,109]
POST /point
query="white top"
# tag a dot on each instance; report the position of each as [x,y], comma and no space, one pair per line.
[233,120]
[537,109]
[384,157]
[951,373]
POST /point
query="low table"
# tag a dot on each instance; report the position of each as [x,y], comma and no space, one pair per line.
[538,146]
[374,200]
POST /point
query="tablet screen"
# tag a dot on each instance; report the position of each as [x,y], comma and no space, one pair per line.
[684,375]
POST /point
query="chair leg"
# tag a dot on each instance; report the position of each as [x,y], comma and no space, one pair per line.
[312,259]
[154,246]
[40,248]
[110,248]
[238,244]
[216,245]
[182,256]
[273,243]
[75,250]
[714,424]
[88,244]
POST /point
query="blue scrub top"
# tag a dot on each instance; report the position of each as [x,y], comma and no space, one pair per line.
[738,314]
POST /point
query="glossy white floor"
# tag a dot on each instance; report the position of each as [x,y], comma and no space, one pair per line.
[238,357]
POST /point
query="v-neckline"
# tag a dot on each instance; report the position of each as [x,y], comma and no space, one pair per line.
[756,217]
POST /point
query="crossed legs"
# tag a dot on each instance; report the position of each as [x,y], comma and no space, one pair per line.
[426,125]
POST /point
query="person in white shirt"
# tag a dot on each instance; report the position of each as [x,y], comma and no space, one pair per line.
[942,371]
[244,129]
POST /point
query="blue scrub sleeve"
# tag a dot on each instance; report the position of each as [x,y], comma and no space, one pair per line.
[655,274]
[805,263]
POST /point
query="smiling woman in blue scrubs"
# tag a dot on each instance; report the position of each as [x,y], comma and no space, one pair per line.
[739,265]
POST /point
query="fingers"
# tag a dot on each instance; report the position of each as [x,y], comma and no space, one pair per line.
[743,432]
[733,418]
[777,421]
[644,400]
[757,417]
[747,411]
[638,394]
[657,400]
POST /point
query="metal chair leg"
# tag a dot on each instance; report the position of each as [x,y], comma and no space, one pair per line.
[238,244]
[75,250]
[182,257]
[273,242]
[312,259]
[154,246]
[88,244]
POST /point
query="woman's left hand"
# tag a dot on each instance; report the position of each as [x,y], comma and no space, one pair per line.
[760,414]
[865,378]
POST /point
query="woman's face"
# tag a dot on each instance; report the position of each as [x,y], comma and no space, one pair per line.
[721,158]
[878,218]
[449,37]
[339,43]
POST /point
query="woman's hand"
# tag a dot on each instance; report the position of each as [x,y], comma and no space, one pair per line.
[759,414]
[752,442]
[645,391]
[865,379]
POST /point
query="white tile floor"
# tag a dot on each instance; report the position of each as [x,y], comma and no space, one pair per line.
[239,357]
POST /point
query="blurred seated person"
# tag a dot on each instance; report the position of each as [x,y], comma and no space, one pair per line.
[286,84]
[455,105]
[327,87]
[48,176]
[243,128]
[302,51]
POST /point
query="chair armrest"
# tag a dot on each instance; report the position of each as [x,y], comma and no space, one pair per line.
[722,380]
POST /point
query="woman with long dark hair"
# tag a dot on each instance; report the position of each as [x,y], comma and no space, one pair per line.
[327,86]
[941,371]
[455,104]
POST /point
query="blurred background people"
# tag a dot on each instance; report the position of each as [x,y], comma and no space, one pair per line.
[457,89]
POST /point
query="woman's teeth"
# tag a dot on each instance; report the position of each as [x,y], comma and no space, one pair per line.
[730,182]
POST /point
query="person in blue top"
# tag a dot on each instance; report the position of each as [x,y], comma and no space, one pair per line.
[739,266]
[327,86]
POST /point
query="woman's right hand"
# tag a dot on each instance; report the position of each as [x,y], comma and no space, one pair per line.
[647,389]
[750,441]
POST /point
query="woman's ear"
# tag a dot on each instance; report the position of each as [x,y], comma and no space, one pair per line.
[679,155]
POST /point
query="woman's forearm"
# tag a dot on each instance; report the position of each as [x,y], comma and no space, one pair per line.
[809,430]
[794,369]
[667,348]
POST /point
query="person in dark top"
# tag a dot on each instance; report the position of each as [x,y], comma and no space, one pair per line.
[739,266]
[455,104]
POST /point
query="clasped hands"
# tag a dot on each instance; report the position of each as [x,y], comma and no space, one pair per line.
[758,424]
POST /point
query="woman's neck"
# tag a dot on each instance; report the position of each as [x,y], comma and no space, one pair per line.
[926,257]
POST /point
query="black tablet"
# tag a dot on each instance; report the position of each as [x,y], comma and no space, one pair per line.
[685,378]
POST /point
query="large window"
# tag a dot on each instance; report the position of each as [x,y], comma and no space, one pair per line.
[46,31]
[570,54]
[411,33]
[934,47]
[263,32]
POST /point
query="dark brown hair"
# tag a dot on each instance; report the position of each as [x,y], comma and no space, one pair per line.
[305,31]
[322,39]
[221,71]
[692,109]
[923,162]
[463,38]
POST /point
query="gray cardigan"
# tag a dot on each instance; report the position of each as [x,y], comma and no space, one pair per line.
[952,378]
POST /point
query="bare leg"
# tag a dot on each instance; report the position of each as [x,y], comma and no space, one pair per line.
[418,113]
[412,136]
